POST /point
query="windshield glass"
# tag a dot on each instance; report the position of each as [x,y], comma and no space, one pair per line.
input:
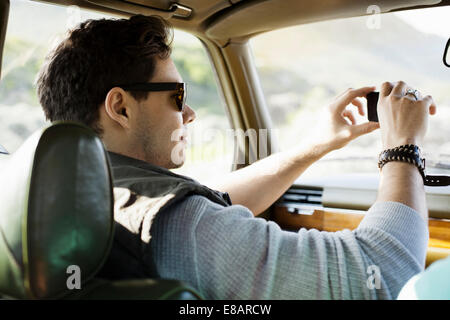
[303,68]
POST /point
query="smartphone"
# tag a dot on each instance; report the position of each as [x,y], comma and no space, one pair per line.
[372,102]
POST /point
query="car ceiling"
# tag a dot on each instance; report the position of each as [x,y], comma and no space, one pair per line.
[222,20]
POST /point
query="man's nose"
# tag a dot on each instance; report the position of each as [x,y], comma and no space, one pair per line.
[189,114]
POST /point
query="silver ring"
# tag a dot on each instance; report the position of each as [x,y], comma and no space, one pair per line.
[413,92]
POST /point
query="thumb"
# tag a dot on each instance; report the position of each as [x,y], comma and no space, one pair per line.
[364,128]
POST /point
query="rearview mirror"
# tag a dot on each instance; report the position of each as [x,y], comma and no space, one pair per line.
[447,54]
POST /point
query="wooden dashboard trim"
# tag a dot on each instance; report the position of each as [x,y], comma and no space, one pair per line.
[328,220]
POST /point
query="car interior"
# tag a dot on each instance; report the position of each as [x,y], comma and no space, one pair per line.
[47,220]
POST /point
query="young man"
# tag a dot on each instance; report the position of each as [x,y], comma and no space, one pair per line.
[117,77]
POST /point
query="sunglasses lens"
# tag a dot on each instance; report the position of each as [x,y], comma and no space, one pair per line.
[181,98]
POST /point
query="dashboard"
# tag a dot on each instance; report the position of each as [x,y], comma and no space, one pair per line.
[340,202]
[359,192]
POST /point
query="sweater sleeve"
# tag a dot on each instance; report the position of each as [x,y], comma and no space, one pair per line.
[226,253]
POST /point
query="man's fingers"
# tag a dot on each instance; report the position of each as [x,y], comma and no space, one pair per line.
[350,95]
[358,103]
[431,105]
[399,89]
[386,89]
[433,110]
[364,128]
[348,114]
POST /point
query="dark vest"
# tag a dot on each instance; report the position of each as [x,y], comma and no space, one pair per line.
[141,191]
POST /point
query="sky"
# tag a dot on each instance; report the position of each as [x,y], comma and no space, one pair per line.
[435,20]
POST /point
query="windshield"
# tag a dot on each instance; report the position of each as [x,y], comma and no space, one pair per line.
[303,68]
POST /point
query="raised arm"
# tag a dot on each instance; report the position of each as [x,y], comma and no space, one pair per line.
[403,120]
[228,254]
[258,185]
[231,255]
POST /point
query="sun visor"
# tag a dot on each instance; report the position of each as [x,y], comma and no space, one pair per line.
[252,17]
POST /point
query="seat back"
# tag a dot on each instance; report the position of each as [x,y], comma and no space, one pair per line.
[56,212]
[56,218]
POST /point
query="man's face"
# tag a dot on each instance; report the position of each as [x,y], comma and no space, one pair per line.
[160,129]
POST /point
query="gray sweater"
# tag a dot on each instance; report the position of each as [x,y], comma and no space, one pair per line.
[226,253]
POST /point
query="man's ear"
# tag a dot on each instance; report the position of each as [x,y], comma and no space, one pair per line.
[117,106]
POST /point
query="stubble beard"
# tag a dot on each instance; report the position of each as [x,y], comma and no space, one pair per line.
[153,150]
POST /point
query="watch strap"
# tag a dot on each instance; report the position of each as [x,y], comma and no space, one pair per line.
[437,181]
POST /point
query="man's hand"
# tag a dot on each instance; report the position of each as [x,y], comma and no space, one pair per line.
[403,120]
[270,177]
[336,131]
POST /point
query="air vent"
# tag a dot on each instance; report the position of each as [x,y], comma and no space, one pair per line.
[301,200]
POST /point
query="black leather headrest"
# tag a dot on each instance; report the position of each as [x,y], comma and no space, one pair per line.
[56,210]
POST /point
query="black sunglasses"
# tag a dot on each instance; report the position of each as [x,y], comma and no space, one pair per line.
[180,87]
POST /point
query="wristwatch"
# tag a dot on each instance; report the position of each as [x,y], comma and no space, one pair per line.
[411,153]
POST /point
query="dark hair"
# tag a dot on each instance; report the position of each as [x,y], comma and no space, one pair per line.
[95,57]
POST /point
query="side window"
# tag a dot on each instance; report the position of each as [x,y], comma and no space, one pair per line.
[210,147]
[30,37]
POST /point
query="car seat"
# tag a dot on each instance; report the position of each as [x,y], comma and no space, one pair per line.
[57,222]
